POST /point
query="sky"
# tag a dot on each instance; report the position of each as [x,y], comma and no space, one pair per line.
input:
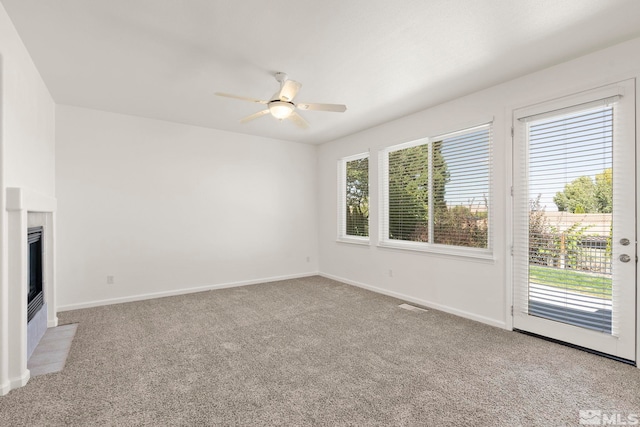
[564,148]
[561,149]
[467,157]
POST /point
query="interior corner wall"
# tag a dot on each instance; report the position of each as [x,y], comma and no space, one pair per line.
[27,156]
[476,289]
[165,208]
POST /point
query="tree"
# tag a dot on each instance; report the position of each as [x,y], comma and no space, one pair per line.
[409,193]
[460,226]
[358,197]
[582,195]
[578,196]
[604,191]
[541,245]
[409,190]
[441,177]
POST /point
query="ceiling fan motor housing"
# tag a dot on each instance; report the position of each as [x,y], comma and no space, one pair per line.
[281,77]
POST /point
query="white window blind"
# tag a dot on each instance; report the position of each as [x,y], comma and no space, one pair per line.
[353,191]
[408,194]
[569,206]
[461,188]
[436,192]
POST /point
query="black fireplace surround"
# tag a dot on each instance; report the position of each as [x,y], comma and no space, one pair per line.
[35,298]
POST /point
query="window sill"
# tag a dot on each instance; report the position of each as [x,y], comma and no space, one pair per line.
[441,250]
[354,241]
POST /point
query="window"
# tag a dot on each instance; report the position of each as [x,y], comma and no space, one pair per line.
[436,193]
[354,198]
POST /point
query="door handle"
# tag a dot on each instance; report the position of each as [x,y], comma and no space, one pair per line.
[624,258]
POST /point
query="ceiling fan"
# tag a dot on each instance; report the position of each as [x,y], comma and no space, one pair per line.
[281,105]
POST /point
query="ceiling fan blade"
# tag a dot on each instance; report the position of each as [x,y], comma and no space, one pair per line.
[337,108]
[289,90]
[241,98]
[254,116]
[298,120]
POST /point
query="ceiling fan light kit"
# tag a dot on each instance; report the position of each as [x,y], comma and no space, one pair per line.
[281,109]
[281,105]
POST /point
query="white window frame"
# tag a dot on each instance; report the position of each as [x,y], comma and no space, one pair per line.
[383,208]
[342,201]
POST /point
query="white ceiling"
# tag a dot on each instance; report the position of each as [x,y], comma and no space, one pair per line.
[384,59]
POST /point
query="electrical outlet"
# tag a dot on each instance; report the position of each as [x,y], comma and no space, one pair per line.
[308,259]
[110,280]
[390,273]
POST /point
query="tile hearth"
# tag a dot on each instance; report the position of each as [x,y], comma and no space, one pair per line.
[51,353]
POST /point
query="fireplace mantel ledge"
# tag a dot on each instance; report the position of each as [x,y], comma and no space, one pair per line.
[19,199]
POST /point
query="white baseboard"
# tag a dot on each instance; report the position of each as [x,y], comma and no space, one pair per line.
[140,297]
[162,294]
[20,381]
[435,306]
[4,388]
[52,323]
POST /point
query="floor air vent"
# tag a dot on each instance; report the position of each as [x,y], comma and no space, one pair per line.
[411,307]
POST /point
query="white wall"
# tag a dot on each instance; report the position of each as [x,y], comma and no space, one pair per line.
[476,289]
[28,117]
[166,207]
[26,160]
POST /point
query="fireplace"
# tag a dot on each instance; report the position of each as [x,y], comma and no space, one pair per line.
[35,296]
[30,272]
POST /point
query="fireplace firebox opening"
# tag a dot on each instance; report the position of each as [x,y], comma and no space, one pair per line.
[35,296]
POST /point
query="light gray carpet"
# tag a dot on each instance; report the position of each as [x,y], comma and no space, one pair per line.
[310,352]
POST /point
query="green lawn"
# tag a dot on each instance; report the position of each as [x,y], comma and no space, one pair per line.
[578,281]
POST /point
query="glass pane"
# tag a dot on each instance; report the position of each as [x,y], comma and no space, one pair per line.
[409,194]
[357,212]
[461,189]
[570,218]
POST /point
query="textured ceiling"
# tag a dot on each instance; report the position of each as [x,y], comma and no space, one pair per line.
[165,59]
